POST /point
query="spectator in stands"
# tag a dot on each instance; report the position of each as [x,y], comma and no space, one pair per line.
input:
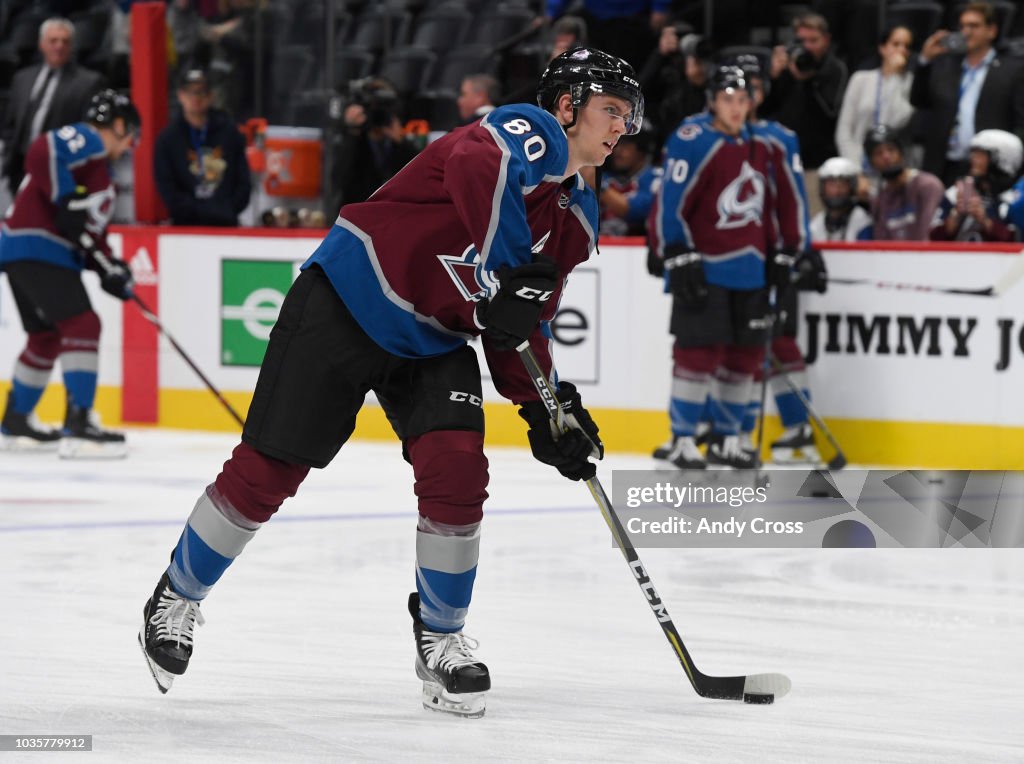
[808,82]
[187,31]
[567,33]
[976,207]
[199,161]
[478,95]
[906,202]
[46,96]
[966,87]
[625,28]
[877,96]
[842,218]
[373,145]
[628,185]
[675,76]
[233,60]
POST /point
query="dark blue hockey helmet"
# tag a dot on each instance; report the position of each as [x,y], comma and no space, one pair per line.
[583,71]
[727,77]
[108,105]
[752,68]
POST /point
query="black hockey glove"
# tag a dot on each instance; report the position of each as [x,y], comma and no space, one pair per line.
[569,452]
[779,271]
[655,265]
[115,275]
[686,277]
[72,214]
[811,274]
[512,314]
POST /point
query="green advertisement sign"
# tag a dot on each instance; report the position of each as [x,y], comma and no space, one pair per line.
[252,292]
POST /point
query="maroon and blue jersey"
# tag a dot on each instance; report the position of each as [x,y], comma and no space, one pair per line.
[717,197]
[413,260]
[789,188]
[58,162]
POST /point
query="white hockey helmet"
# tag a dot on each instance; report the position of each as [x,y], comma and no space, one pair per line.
[1004,149]
[838,167]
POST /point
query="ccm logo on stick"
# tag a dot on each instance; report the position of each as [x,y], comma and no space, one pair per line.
[465,398]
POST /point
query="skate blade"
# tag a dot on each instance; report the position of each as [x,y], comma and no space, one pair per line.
[79,448]
[19,444]
[164,679]
[469,705]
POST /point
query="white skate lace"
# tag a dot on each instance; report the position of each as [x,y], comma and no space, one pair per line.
[448,651]
[686,447]
[175,618]
[35,424]
[730,447]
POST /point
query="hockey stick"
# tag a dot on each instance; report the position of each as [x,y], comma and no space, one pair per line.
[103,262]
[754,688]
[151,317]
[839,460]
[1013,274]
[770,330]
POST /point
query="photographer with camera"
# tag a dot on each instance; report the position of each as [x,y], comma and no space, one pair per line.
[372,145]
[806,92]
[966,88]
[675,76]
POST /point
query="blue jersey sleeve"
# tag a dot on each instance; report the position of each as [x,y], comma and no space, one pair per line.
[1015,205]
[69,146]
[513,150]
[640,201]
[686,152]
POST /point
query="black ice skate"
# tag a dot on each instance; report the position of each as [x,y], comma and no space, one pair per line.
[22,432]
[454,682]
[84,438]
[168,621]
[796,446]
[685,455]
[727,452]
[664,451]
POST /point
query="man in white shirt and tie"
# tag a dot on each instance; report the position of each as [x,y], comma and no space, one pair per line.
[44,96]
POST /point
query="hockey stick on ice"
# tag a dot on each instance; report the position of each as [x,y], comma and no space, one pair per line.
[1013,274]
[754,688]
[839,460]
[151,317]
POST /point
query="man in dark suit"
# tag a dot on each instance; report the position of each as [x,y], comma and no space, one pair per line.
[46,96]
[966,88]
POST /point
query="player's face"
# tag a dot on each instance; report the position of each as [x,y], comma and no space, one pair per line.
[885,155]
[122,140]
[835,188]
[979,163]
[599,124]
[731,107]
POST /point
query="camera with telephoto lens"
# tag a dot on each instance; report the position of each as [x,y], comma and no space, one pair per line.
[378,99]
[803,59]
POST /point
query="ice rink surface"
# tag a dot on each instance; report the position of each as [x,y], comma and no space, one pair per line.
[895,655]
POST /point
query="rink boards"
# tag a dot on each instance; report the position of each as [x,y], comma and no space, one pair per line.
[902,376]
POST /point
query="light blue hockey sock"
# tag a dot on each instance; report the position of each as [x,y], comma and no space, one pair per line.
[446,560]
[25,397]
[214,536]
[80,370]
[791,410]
[730,396]
[688,404]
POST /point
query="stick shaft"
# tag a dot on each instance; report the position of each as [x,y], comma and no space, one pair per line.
[151,317]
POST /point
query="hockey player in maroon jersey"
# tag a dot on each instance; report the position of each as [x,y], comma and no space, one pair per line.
[715,229]
[55,228]
[474,237]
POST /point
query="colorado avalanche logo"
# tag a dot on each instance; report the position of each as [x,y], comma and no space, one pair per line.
[688,132]
[563,201]
[467,272]
[742,201]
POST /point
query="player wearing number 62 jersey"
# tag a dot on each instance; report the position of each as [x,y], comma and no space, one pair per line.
[55,228]
[474,237]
